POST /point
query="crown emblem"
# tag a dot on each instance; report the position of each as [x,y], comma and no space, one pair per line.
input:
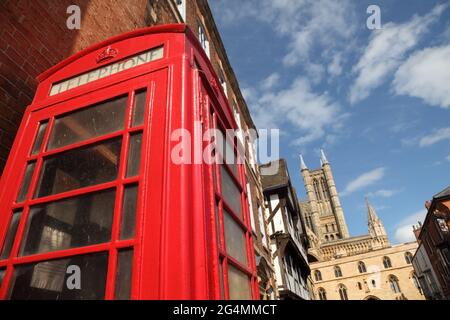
[107,54]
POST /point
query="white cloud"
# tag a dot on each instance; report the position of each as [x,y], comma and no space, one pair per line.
[404,232]
[311,114]
[384,193]
[305,25]
[426,75]
[447,158]
[364,180]
[435,137]
[386,50]
[271,81]
[335,68]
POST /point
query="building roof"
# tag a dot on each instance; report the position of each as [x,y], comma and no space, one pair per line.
[443,193]
[280,179]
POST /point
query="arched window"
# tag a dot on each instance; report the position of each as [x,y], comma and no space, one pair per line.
[393,282]
[362,267]
[326,238]
[359,286]
[316,189]
[374,283]
[318,275]
[337,272]
[343,292]
[387,262]
[326,228]
[332,237]
[416,282]
[408,257]
[324,188]
[322,294]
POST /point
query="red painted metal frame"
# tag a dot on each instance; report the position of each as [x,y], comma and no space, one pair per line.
[176,254]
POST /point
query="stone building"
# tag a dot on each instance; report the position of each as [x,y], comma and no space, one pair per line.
[287,234]
[34,36]
[351,267]
[432,260]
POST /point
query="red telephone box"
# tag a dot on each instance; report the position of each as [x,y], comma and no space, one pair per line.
[92,205]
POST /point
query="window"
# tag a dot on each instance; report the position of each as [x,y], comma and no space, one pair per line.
[181,6]
[287,258]
[337,272]
[393,282]
[416,282]
[318,275]
[342,292]
[359,286]
[80,191]
[374,283]
[222,81]
[331,237]
[322,294]
[233,225]
[262,226]
[47,280]
[387,262]
[324,188]
[316,189]
[250,204]
[361,267]
[203,38]
[408,257]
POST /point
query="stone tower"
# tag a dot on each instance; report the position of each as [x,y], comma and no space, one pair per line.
[325,217]
[376,227]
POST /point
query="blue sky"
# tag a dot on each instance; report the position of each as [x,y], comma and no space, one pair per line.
[377,101]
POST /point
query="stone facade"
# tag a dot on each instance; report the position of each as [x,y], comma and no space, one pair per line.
[376,282]
[346,267]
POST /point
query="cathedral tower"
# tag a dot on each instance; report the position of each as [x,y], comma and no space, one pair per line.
[326,217]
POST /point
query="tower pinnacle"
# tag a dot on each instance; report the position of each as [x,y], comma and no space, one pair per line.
[323,158]
[302,163]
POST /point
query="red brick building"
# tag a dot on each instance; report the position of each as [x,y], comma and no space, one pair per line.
[434,237]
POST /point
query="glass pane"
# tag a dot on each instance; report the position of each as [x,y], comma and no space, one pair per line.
[79,168]
[69,223]
[39,138]
[2,276]
[239,284]
[222,292]
[139,108]
[230,192]
[87,123]
[124,272]
[10,235]
[26,182]
[230,157]
[217,224]
[60,279]
[134,154]
[234,239]
[128,224]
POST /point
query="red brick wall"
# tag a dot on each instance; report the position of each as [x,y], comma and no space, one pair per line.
[34,37]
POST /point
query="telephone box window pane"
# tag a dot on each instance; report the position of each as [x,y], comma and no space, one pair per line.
[2,276]
[48,280]
[80,168]
[69,223]
[239,284]
[230,192]
[87,123]
[129,212]
[139,108]
[124,272]
[26,182]
[222,292]
[230,157]
[217,224]
[39,138]
[10,235]
[134,155]
[234,239]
